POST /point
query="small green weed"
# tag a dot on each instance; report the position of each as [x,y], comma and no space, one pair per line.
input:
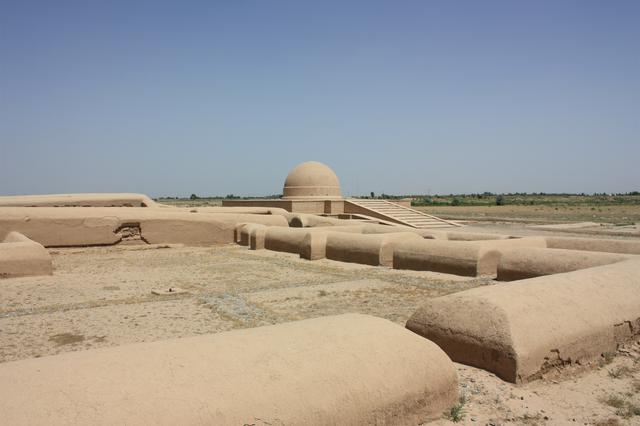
[457,412]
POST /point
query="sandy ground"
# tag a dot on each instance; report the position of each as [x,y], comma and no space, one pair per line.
[620,215]
[525,230]
[101,296]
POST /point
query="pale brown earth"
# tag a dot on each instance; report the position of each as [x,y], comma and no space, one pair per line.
[613,214]
[101,296]
[525,230]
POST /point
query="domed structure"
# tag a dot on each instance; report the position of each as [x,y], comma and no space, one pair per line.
[312,180]
[313,188]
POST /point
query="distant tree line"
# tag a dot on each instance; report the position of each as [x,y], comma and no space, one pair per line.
[475,199]
[520,198]
[219,197]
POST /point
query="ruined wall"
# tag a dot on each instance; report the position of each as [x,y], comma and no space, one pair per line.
[304,220]
[467,258]
[341,370]
[291,240]
[370,249]
[78,200]
[55,227]
[19,257]
[313,206]
[521,329]
[529,262]
[241,210]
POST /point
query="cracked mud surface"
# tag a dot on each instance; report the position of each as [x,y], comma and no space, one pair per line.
[101,296]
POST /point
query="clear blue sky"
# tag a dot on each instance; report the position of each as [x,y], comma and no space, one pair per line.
[174,98]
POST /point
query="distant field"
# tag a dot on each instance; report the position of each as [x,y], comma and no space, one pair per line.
[620,214]
[488,199]
[187,202]
[622,209]
[617,209]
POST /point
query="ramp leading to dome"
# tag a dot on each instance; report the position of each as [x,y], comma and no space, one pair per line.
[396,213]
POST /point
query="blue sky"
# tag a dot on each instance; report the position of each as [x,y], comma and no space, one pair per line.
[174,98]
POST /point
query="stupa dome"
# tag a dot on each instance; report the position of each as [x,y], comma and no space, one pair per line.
[312,180]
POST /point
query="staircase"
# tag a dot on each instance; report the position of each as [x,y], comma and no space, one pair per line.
[383,209]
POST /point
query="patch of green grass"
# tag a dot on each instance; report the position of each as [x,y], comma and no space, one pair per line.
[457,412]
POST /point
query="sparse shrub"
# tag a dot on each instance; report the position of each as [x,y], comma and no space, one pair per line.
[457,412]
[628,410]
[455,201]
[619,372]
[615,401]
[500,200]
[607,358]
[608,422]
[624,408]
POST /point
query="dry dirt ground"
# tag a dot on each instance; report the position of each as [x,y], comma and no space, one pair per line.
[102,296]
[620,215]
